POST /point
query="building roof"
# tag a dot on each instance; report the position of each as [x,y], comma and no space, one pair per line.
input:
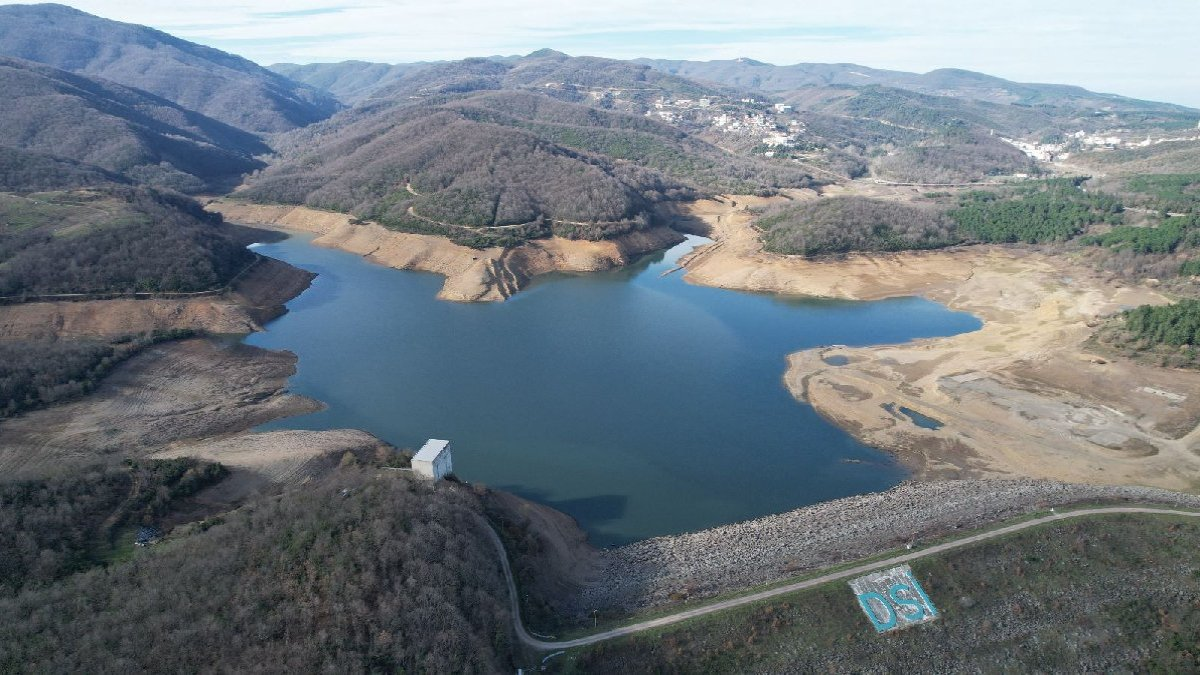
[429,452]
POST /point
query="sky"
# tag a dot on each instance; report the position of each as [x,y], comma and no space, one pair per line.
[1147,49]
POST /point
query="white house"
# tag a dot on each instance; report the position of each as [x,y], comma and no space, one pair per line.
[775,140]
[433,460]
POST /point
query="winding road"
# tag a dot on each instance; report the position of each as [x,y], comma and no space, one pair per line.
[723,605]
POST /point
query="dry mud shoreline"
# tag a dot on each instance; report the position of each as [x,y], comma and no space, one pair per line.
[471,275]
[1020,397]
[195,397]
[256,299]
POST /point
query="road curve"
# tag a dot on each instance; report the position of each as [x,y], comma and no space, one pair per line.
[723,605]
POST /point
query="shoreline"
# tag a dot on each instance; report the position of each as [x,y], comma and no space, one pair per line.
[1020,397]
[471,275]
[199,396]
[992,391]
[254,300]
[175,401]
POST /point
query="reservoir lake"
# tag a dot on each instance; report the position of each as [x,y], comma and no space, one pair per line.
[637,403]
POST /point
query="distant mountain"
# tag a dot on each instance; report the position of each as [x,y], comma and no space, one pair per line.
[765,77]
[50,112]
[220,85]
[349,81]
[570,78]
[926,112]
[498,166]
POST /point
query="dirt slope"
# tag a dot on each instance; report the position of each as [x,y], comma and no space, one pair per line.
[169,393]
[471,275]
[257,297]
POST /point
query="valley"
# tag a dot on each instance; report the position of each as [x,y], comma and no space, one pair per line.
[708,338]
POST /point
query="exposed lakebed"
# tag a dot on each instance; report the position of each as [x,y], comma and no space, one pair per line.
[638,403]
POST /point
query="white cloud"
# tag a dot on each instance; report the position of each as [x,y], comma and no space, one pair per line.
[1142,49]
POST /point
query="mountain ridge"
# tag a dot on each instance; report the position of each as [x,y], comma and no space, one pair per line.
[120,129]
[941,81]
[221,85]
[746,73]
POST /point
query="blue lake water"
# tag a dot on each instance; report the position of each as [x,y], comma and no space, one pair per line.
[637,403]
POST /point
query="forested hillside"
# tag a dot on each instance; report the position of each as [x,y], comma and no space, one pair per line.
[381,574]
[28,171]
[1163,158]
[953,154]
[910,110]
[943,127]
[128,132]
[53,528]
[463,166]
[845,224]
[220,85]
[112,240]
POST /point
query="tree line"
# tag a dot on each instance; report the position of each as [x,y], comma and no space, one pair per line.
[1172,192]
[1054,210]
[1049,210]
[845,224]
[1166,236]
[1175,325]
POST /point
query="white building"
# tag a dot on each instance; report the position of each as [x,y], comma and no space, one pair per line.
[775,140]
[782,107]
[433,460]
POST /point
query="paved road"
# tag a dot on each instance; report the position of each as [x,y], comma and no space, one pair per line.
[723,605]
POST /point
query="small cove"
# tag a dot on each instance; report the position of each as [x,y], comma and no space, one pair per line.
[637,403]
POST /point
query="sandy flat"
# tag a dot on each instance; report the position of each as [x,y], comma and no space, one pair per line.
[283,457]
[169,393]
[1020,397]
